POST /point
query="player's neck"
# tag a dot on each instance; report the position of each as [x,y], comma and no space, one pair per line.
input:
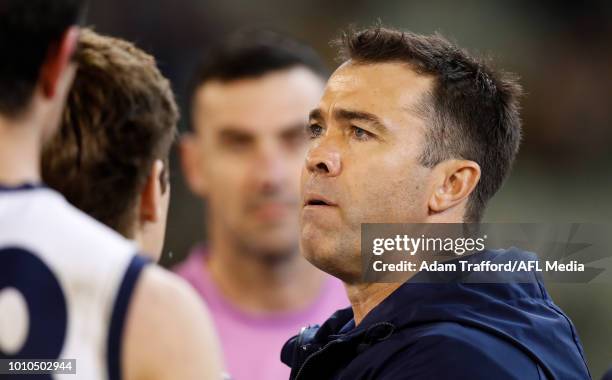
[20,150]
[262,287]
[365,297]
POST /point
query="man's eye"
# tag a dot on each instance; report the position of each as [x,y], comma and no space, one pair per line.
[360,133]
[294,138]
[314,131]
[236,143]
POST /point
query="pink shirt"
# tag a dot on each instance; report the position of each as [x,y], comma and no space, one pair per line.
[252,344]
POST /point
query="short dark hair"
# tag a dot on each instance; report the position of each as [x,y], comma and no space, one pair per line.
[28,28]
[472,109]
[120,117]
[252,53]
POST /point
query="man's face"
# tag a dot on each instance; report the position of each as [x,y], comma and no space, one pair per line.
[362,166]
[249,148]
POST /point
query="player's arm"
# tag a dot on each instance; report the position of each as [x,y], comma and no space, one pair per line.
[168,332]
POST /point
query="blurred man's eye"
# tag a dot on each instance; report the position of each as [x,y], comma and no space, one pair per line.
[294,138]
[235,141]
[314,131]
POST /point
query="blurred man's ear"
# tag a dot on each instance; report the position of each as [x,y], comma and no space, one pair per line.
[191,163]
[151,206]
[455,181]
[57,62]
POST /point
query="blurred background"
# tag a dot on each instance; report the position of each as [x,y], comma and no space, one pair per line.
[561,50]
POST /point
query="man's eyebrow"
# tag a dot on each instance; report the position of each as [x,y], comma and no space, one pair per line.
[373,120]
[291,129]
[233,132]
[315,114]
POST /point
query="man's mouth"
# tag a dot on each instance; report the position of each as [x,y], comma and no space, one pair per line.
[272,210]
[317,200]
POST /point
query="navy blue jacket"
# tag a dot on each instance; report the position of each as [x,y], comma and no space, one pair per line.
[453,330]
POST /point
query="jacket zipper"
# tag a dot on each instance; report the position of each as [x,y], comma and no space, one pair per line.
[329,344]
[312,356]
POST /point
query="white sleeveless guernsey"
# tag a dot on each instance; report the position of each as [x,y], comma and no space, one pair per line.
[65,283]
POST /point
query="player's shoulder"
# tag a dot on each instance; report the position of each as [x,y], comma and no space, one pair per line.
[468,340]
[73,244]
[159,289]
[187,332]
[76,219]
[465,350]
[55,217]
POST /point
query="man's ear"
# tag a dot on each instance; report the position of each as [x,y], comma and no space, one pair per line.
[191,163]
[151,196]
[456,180]
[57,61]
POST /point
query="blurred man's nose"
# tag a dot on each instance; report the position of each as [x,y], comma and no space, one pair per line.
[324,159]
[270,169]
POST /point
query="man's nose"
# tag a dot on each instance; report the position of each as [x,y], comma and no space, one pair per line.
[270,169]
[324,159]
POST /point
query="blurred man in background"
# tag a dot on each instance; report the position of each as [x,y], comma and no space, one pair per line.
[250,107]
[71,288]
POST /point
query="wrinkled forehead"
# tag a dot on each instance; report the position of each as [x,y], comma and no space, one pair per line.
[259,104]
[388,90]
